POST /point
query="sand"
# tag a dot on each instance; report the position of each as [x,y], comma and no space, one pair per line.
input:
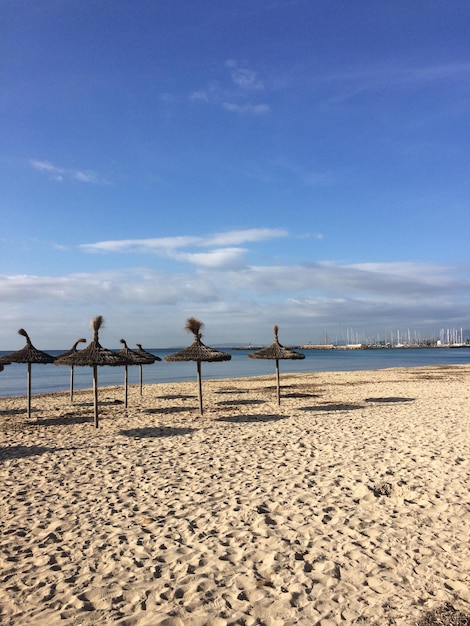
[346,504]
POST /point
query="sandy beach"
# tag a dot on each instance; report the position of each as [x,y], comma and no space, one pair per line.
[347,504]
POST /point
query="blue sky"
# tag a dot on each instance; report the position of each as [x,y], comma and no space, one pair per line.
[301,163]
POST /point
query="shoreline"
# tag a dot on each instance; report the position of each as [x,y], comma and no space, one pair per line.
[50,378]
[348,503]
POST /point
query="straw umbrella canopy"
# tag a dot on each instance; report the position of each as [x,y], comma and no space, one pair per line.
[198,352]
[132,357]
[275,352]
[29,354]
[72,350]
[94,355]
[151,358]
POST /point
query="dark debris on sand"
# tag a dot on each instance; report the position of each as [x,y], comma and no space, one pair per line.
[445,615]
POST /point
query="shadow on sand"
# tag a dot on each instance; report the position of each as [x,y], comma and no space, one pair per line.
[63,420]
[156,431]
[21,452]
[238,419]
[15,411]
[239,402]
[115,402]
[168,410]
[176,397]
[332,407]
[298,394]
[398,399]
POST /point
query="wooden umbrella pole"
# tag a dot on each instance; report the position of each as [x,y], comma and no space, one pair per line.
[95,392]
[126,382]
[29,390]
[140,379]
[199,383]
[71,384]
[278,383]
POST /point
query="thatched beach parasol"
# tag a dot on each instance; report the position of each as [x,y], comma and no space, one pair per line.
[93,355]
[72,350]
[132,357]
[198,352]
[151,358]
[276,351]
[29,354]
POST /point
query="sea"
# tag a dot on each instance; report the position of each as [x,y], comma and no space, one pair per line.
[51,378]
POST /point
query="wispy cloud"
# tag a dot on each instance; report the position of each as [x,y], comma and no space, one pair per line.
[309,297]
[223,248]
[124,286]
[243,77]
[406,75]
[199,95]
[302,172]
[61,174]
[249,107]
[246,79]
[220,258]
[306,283]
[236,93]
[361,80]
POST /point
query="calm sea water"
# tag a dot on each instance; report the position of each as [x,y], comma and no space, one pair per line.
[50,378]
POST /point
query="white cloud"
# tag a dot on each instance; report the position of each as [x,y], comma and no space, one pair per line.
[238,304]
[55,173]
[383,77]
[409,75]
[245,236]
[137,285]
[85,177]
[428,275]
[199,95]
[233,91]
[155,245]
[227,253]
[60,174]
[246,79]
[394,280]
[222,258]
[248,107]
